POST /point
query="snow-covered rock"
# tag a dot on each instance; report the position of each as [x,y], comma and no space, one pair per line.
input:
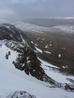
[20,94]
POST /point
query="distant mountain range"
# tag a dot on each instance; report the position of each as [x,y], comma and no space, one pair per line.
[51,21]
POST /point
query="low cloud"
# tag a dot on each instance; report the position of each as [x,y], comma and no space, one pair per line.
[36,8]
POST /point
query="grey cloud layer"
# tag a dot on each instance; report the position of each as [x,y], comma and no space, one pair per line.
[37,8]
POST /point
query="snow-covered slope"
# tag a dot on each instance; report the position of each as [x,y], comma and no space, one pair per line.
[12,80]
[63,28]
[54,72]
[21,69]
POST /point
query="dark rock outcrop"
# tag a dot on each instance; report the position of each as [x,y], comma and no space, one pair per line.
[20,94]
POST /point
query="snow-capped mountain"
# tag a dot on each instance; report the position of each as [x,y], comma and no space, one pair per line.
[29,27]
[63,28]
[27,60]
[22,70]
[51,24]
[64,25]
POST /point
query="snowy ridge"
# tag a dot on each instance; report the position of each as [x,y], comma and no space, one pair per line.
[40,29]
[53,72]
[29,27]
[61,18]
[27,60]
[64,28]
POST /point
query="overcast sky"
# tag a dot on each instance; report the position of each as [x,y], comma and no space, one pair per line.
[36,8]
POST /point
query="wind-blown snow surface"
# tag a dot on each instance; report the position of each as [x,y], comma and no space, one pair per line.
[12,79]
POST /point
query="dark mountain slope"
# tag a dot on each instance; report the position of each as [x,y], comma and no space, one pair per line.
[27,60]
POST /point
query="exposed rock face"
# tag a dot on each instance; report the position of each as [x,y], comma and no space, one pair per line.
[20,94]
[9,32]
